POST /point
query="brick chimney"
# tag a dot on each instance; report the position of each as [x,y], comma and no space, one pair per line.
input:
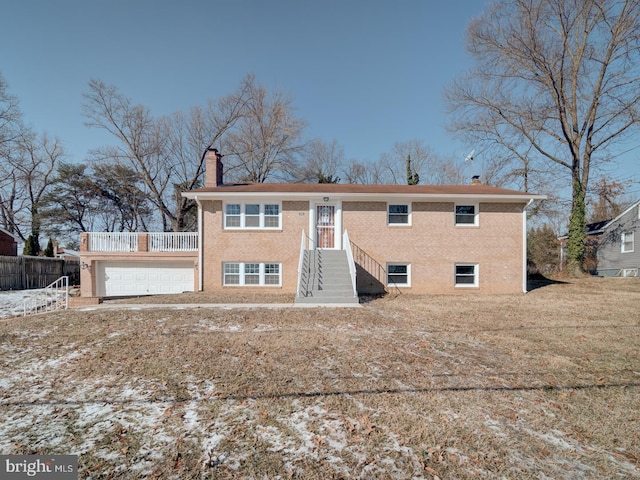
[214,168]
[475,180]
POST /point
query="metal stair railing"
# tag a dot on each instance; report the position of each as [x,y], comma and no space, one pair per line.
[304,266]
[373,267]
[53,297]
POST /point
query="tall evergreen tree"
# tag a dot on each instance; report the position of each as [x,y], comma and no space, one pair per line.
[32,246]
[412,175]
[48,251]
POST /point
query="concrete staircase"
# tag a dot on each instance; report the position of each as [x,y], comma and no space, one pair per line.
[325,278]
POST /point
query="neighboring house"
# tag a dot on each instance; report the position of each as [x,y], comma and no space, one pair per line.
[315,239]
[65,253]
[593,232]
[619,246]
[8,243]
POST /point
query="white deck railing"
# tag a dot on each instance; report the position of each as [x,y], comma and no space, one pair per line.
[173,242]
[113,242]
[130,242]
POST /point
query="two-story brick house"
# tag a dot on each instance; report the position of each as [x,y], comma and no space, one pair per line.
[421,239]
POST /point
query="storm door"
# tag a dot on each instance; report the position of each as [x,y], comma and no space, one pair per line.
[325,226]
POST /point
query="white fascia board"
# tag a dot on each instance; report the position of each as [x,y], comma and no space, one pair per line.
[380,197]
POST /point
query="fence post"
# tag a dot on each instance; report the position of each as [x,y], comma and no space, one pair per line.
[23,268]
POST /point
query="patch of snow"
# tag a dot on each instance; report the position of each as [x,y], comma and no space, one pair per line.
[214,327]
[12,301]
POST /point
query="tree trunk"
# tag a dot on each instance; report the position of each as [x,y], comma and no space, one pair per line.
[577,224]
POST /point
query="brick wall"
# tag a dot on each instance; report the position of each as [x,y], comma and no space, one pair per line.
[432,244]
[276,246]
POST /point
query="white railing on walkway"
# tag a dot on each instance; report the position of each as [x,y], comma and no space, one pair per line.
[173,242]
[113,242]
[352,265]
[53,297]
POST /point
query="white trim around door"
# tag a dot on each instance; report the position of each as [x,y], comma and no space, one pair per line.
[325,225]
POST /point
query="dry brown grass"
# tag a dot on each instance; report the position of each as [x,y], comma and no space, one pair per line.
[543,385]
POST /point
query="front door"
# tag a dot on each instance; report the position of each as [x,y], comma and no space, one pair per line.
[325,226]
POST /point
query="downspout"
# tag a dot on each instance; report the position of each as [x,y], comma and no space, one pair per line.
[200,244]
[524,246]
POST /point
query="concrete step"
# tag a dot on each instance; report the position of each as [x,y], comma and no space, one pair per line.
[327,300]
[327,278]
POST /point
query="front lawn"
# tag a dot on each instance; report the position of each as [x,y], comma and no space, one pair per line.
[543,385]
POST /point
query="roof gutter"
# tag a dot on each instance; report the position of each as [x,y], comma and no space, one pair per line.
[200,243]
[220,195]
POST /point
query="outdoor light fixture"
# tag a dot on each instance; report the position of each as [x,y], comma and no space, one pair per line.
[326,199]
[84,266]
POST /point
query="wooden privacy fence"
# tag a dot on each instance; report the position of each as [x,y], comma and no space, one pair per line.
[23,273]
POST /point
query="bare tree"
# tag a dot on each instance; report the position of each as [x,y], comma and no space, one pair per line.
[321,160]
[165,152]
[29,170]
[266,141]
[558,75]
[394,163]
[444,171]
[363,172]
[11,127]
[12,131]
[609,202]
[431,169]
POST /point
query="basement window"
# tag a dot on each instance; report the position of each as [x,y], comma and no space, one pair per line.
[398,275]
[466,275]
[250,274]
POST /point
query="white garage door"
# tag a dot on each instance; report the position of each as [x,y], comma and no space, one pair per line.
[118,279]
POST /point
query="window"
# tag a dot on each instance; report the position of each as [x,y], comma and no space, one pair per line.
[398,274]
[232,215]
[627,242]
[251,274]
[272,274]
[466,275]
[272,216]
[466,215]
[232,274]
[251,215]
[398,215]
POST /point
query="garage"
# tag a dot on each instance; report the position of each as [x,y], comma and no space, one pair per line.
[120,279]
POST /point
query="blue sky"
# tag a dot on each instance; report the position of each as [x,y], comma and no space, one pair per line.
[365,73]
